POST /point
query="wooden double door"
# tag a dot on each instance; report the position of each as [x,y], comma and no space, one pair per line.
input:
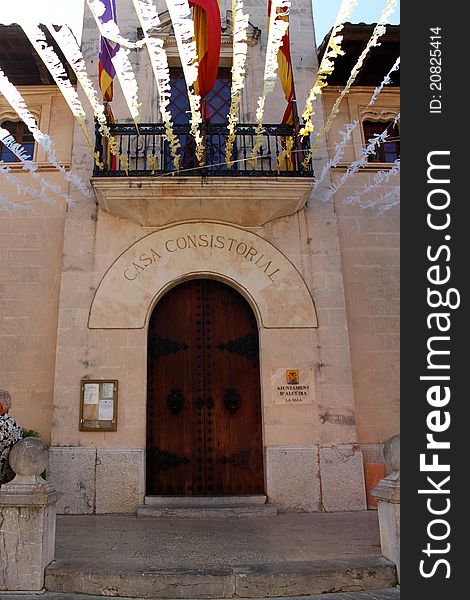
[204,432]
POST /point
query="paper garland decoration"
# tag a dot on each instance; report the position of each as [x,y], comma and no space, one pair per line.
[184,32]
[277,28]
[327,65]
[109,29]
[378,31]
[149,19]
[23,189]
[68,44]
[239,52]
[386,81]
[19,151]
[55,67]
[18,104]
[361,162]
[379,179]
[183,27]
[388,200]
[121,62]
[346,135]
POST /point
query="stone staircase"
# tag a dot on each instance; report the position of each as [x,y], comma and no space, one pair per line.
[200,507]
[292,555]
[282,579]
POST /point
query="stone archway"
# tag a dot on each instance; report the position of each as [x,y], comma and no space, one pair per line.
[142,274]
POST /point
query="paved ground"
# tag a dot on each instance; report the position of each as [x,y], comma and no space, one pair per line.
[390,594]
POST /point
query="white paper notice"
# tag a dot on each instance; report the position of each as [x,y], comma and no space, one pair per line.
[91,393]
[106,410]
[107,390]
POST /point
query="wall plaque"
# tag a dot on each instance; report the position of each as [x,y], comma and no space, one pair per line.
[293,386]
[98,405]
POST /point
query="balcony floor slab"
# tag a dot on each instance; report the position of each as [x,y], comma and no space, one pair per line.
[159,201]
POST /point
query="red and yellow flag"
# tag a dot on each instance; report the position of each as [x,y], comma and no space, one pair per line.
[207,31]
[284,71]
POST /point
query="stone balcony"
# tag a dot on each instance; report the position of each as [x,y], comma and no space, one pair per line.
[142,185]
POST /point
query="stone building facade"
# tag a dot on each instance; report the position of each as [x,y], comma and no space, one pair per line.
[82,284]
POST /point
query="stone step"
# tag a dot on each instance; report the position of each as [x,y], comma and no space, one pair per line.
[201,511]
[249,499]
[281,579]
[385,594]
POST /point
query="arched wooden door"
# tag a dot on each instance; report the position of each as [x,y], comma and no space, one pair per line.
[204,409]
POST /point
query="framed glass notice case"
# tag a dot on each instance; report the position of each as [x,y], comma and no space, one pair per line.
[98,404]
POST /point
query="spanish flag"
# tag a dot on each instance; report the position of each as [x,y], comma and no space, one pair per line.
[207,31]
[108,50]
[284,70]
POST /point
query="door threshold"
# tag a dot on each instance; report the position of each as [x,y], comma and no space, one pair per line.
[194,501]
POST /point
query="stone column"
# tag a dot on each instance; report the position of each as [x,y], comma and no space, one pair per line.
[27,519]
[387,492]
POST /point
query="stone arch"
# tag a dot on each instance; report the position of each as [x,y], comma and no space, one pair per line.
[142,273]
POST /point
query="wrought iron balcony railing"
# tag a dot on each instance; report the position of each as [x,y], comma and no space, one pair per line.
[145,152]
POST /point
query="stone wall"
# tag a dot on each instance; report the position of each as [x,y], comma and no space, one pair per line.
[31,240]
[370,255]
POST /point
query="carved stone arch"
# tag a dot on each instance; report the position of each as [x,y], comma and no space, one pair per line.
[378,114]
[8,114]
[255,267]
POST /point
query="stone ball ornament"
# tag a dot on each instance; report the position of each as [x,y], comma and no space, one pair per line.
[28,457]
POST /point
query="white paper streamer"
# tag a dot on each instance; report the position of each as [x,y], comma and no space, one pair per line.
[239,53]
[387,200]
[8,205]
[25,190]
[149,19]
[38,40]
[121,62]
[183,27]
[386,81]
[110,29]
[18,150]
[379,180]
[361,162]
[327,64]
[18,104]
[68,44]
[277,29]
[379,30]
[346,135]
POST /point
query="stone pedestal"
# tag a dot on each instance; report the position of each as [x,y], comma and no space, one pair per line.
[27,517]
[387,492]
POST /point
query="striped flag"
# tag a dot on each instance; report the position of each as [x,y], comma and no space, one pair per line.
[108,50]
[207,31]
[284,71]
